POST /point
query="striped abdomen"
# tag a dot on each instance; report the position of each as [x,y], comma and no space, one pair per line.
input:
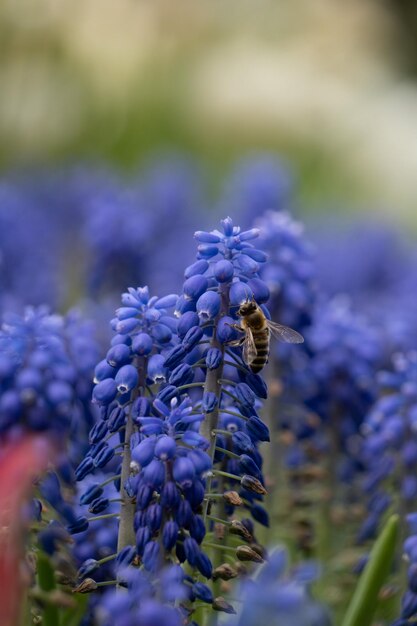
[261,339]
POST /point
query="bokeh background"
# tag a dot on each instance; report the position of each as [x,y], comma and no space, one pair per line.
[328,88]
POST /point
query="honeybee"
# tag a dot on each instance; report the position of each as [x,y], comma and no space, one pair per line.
[257,329]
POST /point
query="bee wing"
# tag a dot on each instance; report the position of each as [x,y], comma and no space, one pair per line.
[249,347]
[284,333]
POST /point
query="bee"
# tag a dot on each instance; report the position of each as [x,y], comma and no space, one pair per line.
[257,329]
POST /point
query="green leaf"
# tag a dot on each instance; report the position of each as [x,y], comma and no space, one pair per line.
[73,617]
[46,581]
[365,598]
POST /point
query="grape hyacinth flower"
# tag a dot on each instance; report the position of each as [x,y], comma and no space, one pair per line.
[181,406]
[289,273]
[389,450]
[46,363]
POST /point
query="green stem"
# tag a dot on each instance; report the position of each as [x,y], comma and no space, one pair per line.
[46,581]
[105,516]
[365,598]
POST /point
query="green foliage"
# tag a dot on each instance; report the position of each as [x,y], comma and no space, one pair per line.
[365,598]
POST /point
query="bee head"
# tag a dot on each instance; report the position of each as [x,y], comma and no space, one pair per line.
[247,308]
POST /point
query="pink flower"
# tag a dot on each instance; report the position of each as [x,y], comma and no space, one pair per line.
[20,464]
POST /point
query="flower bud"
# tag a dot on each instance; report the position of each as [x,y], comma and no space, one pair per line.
[260,290]
[162,333]
[97,432]
[197,528]
[225,332]
[116,420]
[92,492]
[87,567]
[143,496]
[98,506]
[202,592]
[166,302]
[260,515]
[118,355]
[126,378]
[183,471]
[183,306]
[224,572]
[103,457]
[154,474]
[247,464]
[184,514]
[154,517]
[195,286]
[144,452]
[256,383]
[201,460]
[242,443]
[85,467]
[142,344]
[247,265]
[237,528]
[204,565]
[245,395]
[167,394]
[223,271]
[86,586]
[207,251]
[208,305]
[183,374]
[170,496]
[192,338]
[125,557]
[239,293]
[205,237]
[151,556]
[143,536]
[124,312]
[213,358]
[257,430]
[126,326]
[199,267]
[103,370]
[209,402]
[170,534]
[227,225]
[165,447]
[233,498]
[79,526]
[220,604]
[175,356]
[187,321]
[245,553]
[252,484]
[157,370]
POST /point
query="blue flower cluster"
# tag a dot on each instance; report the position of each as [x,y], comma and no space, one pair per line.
[389,451]
[63,223]
[180,406]
[290,271]
[46,363]
[346,352]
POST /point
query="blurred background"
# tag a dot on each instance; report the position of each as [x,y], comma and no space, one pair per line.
[326,89]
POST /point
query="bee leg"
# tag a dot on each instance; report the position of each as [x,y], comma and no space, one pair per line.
[235,326]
